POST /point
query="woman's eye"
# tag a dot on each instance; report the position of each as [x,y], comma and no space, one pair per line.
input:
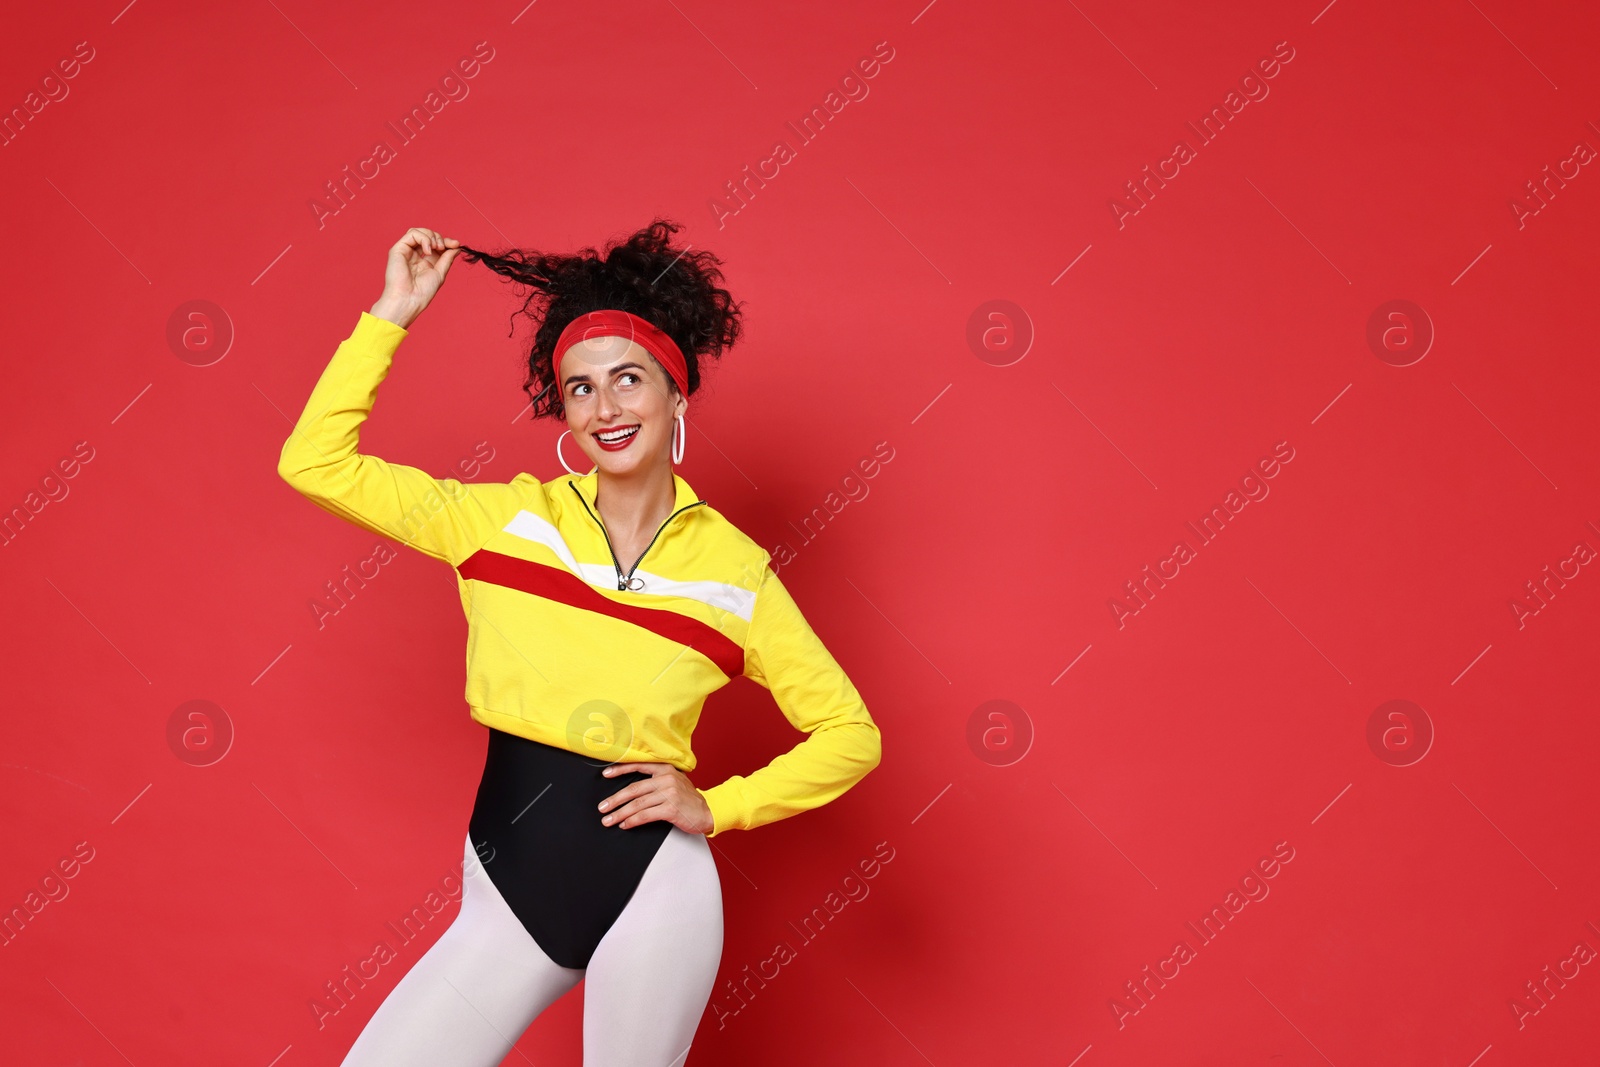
[577,390]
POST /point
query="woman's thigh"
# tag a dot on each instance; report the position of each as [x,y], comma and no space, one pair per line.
[651,977]
[471,995]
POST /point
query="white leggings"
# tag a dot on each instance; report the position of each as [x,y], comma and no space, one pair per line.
[469,998]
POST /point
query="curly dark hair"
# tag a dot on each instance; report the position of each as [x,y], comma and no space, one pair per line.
[675,290]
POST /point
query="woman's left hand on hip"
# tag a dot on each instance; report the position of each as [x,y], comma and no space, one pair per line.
[667,795]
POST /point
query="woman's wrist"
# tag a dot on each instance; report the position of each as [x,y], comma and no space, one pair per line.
[392,309]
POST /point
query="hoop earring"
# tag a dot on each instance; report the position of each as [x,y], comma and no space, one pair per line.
[562,458]
[680,436]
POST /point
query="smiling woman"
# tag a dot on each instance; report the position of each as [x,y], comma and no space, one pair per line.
[590,672]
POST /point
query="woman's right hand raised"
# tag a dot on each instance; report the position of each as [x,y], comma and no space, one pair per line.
[417,265]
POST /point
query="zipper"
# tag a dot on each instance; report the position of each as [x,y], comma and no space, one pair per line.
[626,581]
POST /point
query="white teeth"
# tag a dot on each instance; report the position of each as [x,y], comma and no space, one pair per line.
[612,438]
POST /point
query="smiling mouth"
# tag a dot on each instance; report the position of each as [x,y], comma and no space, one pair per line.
[619,435]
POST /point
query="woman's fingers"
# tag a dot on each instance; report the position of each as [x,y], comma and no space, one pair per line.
[618,812]
[628,794]
[626,806]
[439,242]
[415,242]
[661,809]
[417,265]
[412,248]
[428,243]
[646,768]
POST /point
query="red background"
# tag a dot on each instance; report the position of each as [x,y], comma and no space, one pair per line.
[1230,314]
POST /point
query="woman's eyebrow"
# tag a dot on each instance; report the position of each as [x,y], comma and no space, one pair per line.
[618,369]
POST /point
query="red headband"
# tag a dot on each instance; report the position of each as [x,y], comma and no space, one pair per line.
[614,323]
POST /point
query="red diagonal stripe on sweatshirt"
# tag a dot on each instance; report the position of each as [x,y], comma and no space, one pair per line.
[562,586]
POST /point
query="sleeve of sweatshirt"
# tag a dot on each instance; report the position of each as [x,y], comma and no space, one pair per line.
[785,656]
[440,517]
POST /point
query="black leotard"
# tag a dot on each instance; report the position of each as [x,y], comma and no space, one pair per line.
[536,824]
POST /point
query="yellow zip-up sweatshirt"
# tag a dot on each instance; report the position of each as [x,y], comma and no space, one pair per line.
[558,650]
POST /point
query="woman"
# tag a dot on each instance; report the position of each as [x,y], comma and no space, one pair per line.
[602,609]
